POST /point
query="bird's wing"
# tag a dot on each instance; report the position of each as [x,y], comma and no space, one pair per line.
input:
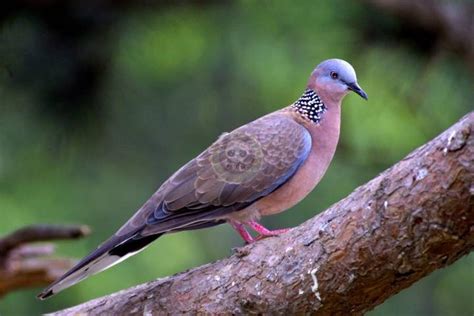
[235,171]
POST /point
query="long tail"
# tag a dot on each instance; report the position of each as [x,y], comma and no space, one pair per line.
[113,251]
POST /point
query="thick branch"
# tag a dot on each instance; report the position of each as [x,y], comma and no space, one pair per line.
[412,219]
[23,265]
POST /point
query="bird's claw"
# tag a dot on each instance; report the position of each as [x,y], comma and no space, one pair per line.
[272,233]
[260,229]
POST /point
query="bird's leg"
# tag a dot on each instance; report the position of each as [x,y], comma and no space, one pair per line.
[264,232]
[240,228]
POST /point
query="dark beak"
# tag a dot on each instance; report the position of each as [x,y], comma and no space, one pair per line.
[357,89]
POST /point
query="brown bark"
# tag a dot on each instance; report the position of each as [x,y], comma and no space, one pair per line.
[23,265]
[414,218]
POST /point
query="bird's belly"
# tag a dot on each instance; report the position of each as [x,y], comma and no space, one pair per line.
[303,182]
[289,194]
[297,188]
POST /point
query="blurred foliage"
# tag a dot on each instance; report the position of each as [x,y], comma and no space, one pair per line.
[175,79]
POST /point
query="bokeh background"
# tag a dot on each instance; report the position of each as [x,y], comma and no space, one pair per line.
[101,101]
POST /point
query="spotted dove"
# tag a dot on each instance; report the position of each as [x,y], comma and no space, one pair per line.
[261,168]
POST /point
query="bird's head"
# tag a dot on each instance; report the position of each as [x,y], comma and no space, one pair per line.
[333,79]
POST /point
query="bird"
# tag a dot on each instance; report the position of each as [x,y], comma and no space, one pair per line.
[262,168]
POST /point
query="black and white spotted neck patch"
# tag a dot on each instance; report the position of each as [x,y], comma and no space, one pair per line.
[310,106]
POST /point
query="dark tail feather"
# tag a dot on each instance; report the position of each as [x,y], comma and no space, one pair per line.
[113,251]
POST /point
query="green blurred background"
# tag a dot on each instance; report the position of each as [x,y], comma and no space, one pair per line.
[100,102]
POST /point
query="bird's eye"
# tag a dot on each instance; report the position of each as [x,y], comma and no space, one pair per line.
[334,75]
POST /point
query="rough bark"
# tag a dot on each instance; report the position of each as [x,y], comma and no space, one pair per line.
[23,265]
[414,218]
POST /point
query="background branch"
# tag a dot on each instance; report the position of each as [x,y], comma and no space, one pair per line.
[24,265]
[415,217]
[451,22]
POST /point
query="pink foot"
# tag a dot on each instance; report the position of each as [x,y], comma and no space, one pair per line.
[240,228]
[261,230]
[264,232]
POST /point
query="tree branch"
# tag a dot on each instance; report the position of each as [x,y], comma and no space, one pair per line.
[23,265]
[412,219]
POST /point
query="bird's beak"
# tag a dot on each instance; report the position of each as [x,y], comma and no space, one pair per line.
[357,89]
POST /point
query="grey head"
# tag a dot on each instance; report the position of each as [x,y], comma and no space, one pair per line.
[333,79]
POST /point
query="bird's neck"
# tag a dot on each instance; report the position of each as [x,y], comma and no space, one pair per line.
[324,136]
[310,106]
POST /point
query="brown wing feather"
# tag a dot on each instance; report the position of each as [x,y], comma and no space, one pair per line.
[236,170]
